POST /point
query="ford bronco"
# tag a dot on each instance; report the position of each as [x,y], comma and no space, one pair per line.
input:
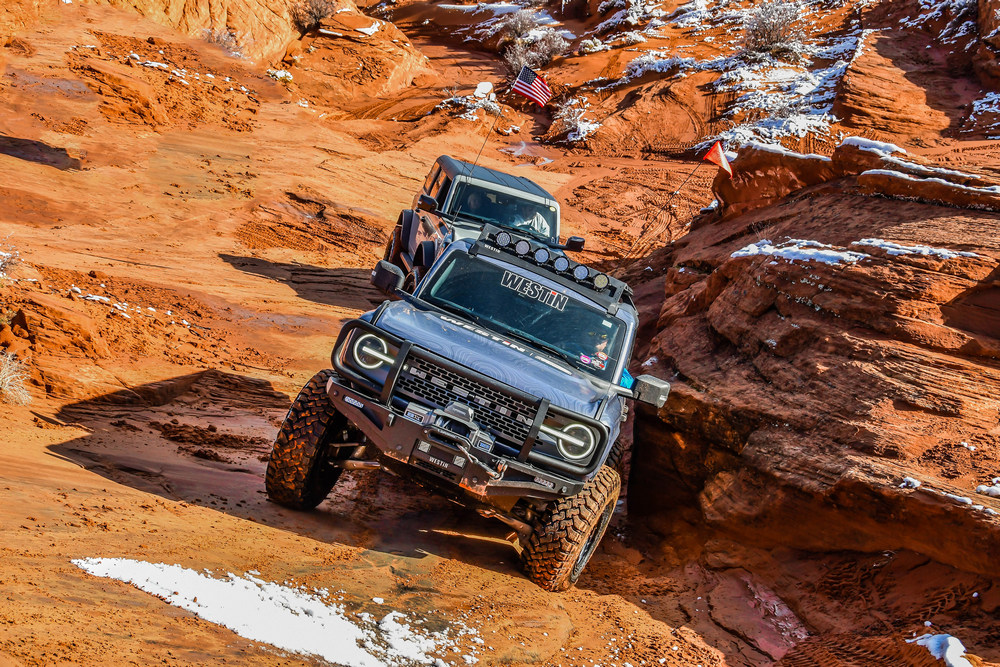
[500,382]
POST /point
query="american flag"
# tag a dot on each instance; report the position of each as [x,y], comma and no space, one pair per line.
[532,86]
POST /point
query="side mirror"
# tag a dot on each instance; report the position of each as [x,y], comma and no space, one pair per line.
[575,243]
[387,277]
[426,203]
[651,390]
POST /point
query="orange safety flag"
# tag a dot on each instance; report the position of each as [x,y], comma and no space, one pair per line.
[718,156]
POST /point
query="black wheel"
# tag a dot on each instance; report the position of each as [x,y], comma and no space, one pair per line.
[298,474]
[568,532]
[393,246]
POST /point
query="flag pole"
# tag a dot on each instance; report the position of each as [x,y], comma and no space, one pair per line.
[488,133]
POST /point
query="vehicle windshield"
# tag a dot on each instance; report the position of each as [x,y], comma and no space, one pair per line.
[483,205]
[530,308]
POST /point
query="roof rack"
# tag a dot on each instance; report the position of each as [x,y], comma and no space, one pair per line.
[603,288]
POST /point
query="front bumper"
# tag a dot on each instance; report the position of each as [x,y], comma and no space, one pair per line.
[444,448]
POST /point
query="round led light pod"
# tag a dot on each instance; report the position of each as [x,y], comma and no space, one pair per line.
[601,281]
[581,272]
[541,255]
[522,247]
[577,443]
[561,263]
[371,357]
[503,239]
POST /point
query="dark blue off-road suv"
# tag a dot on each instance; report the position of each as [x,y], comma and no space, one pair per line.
[500,382]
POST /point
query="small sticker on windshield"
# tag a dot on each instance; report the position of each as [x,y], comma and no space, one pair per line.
[533,290]
[584,358]
[600,364]
[602,356]
[606,323]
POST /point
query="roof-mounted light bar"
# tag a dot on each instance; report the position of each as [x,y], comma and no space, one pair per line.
[539,254]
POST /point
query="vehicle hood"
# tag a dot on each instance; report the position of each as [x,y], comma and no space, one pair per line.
[492,354]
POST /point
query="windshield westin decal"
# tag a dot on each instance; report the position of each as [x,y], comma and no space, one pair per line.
[533,290]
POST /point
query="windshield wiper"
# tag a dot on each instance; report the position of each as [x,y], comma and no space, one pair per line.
[501,329]
[551,349]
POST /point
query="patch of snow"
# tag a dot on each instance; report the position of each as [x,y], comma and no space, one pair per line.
[991,491]
[331,33]
[290,619]
[899,249]
[153,63]
[963,500]
[880,147]
[370,30]
[945,648]
[910,483]
[799,249]
[649,362]
[280,75]
[991,190]
[781,150]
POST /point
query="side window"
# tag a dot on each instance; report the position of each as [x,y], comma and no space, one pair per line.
[431,177]
[436,188]
[442,195]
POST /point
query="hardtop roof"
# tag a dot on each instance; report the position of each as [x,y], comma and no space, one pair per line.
[454,167]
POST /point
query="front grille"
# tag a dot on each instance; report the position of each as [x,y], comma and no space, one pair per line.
[506,416]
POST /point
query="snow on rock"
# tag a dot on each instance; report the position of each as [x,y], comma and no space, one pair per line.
[803,250]
[370,30]
[945,648]
[899,249]
[280,75]
[290,619]
[880,147]
[910,483]
[992,491]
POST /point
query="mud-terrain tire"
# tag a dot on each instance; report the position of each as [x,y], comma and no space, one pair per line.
[616,457]
[568,532]
[394,246]
[297,472]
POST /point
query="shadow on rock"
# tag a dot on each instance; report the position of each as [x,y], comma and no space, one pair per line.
[204,439]
[38,151]
[347,288]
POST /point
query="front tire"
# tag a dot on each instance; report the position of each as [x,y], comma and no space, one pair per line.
[298,474]
[568,532]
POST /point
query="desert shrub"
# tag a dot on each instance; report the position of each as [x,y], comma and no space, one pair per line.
[307,14]
[632,37]
[12,377]
[534,54]
[516,25]
[8,260]
[591,45]
[773,29]
[225,38]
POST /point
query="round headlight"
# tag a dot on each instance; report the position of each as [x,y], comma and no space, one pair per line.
[503,239]
[370,352]
[581,272]
[522,247]
[561,263]
[541,255]
[601,281]
[576,442]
